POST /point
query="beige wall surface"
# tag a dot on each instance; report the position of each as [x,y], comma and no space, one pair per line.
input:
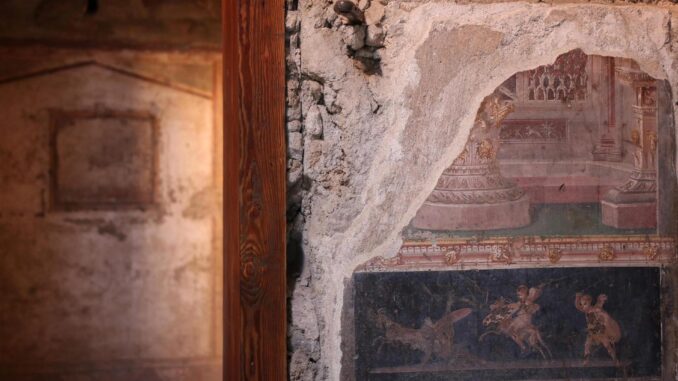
[110,218]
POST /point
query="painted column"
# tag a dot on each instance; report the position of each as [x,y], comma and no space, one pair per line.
[633,204]
[472,194]
[609,144]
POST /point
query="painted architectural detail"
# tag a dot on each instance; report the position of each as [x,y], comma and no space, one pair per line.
[565,80]
[606,253]
[554,254]
[474,181]
[502,254]
[452,257]
[609,146]
[644,134]
[638,195]
[527,251]
[534,131]
[651,252]
[601,149]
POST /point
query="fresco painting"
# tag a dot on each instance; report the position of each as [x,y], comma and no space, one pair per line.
[509,324]
[579,137]
[538,254]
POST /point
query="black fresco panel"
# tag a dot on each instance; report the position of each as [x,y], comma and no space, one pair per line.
[522,324]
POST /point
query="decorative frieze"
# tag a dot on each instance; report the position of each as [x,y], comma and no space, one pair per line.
[457,254]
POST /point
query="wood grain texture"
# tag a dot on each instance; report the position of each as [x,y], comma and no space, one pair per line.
[254,190]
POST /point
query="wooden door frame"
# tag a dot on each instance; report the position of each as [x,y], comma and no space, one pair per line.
[255,343]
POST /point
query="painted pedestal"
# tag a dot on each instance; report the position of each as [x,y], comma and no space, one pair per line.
[633,204]
[472,194]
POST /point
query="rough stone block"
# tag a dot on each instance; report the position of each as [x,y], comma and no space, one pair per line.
[375,13]
[294,172]
[353,36]
[330,98]
[292,21]
[295,145]
[313,123]
[294,126]
[375,36]
[311,92]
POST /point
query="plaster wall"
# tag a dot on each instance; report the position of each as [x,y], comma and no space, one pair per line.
[121,285]
[372,127]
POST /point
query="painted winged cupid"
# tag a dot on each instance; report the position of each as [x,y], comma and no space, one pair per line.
[514,320]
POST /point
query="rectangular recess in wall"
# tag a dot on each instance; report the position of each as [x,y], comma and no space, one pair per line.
[102,159]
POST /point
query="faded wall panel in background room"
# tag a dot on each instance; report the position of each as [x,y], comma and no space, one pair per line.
[114,168]
[110,223]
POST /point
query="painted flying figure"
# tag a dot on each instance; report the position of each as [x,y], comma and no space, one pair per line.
[432,338]
[514,320]
[601,328]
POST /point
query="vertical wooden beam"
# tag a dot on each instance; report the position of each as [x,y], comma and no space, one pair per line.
[254,190]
